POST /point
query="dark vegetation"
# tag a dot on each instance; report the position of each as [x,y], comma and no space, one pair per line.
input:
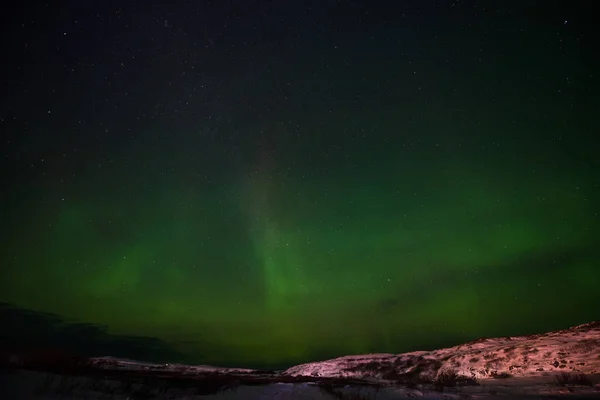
[501,375]
[453,379]
[565,379]
[408,371]
[414,371]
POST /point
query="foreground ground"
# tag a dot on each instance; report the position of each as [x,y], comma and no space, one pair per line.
[561,364]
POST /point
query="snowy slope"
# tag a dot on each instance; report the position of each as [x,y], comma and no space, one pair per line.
[575,350]
[561,364]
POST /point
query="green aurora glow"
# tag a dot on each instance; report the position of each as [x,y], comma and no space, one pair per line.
[321,227]
[273,267]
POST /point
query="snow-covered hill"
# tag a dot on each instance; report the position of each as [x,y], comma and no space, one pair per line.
[575,351]
[562,364]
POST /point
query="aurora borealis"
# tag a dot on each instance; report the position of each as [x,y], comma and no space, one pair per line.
[268,183]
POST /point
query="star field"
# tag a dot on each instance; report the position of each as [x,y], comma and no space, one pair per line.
[267,183]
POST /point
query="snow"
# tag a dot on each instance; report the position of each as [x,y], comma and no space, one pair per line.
[515,367]
[574,350]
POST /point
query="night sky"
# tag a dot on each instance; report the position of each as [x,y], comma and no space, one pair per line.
[264,183]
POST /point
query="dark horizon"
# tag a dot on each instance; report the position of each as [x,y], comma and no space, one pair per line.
[269,183]
[48,332]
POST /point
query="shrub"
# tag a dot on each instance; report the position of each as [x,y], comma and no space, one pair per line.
[573,379]
[501,375]
[451,379]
